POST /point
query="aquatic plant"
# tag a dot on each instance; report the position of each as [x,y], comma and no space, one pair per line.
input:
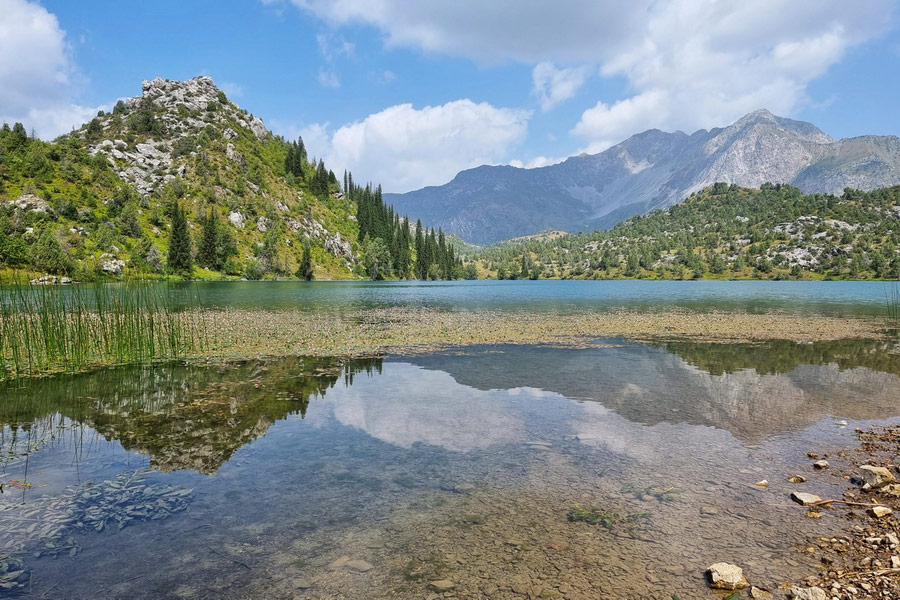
[598,516]
[45,329]
[646,493]
[893,305]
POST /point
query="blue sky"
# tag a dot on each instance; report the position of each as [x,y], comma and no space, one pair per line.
[410,93]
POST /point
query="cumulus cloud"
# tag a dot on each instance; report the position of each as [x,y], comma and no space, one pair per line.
[536,162]
[38,79]
[553,85]
[687,64]
[406,148]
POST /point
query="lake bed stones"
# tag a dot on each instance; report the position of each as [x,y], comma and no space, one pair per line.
[726,576]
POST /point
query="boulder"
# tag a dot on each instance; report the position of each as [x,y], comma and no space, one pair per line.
[725,576]
[338,246]
[360,566]
[812,593]
[441,585]
[875,477]
[30,203]
[879,511]
[258,128]
[236,219]
[804,499]
[111,265]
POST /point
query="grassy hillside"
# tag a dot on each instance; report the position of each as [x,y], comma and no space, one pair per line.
[726,231]
[100,200]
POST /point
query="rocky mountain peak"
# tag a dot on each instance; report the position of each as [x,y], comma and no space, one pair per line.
[765,119]
[148,139]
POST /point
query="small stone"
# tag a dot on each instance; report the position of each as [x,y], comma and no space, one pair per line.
[340,562]
[892,489]
[876,477]
[797,479]
[812,593]
[804,499]
[708,511]
[814,515]
[879,511]
[763,483]
[821,465]
[302,584]
[359,565]
[895,562]
[441,585]
[464,488]
[725,576]
[812,455]
[557,544]
[841,423]
[760,594]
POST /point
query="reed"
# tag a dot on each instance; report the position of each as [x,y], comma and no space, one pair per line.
[893,305]
[48,329]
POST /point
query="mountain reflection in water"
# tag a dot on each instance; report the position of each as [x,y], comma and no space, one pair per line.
[237,479]
[196,417]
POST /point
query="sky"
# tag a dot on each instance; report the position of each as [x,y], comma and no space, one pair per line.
[409,93]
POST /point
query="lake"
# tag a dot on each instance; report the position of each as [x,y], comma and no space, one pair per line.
[324,478]
[829,297]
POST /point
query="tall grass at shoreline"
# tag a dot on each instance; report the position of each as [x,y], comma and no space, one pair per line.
[49,328]
[893,305]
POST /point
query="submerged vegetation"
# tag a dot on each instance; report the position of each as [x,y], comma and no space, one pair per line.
[45,329]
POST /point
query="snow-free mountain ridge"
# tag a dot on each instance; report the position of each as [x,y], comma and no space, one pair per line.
[649,170]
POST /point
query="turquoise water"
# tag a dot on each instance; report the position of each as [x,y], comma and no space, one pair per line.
[310,478]
[828,297]
[842,297]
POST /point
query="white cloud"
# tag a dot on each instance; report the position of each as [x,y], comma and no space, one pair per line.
[231,89]
[553,85]
[329,79]
[405,148]
[687,64]
[38,79]
[387,76]
[536,162]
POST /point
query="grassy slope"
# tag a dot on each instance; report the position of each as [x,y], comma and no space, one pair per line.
[85,192]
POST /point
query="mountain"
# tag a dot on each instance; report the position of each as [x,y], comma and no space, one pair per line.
[724,231]
[181,182]
[653,169]
[102,200]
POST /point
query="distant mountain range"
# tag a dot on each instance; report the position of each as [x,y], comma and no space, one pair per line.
[653,169]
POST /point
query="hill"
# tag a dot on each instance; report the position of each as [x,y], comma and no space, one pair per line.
[182,162]
[650,170]
[727,231]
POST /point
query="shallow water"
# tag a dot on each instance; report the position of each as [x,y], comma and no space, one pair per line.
[369,479]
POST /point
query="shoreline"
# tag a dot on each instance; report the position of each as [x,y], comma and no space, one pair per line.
[236,333]
[242,334]
[863,561]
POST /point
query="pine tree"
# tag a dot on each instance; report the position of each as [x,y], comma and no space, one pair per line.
[207,249]
[180,260]
[305,270]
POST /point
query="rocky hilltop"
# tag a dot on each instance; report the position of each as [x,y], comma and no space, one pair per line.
[653,169]
[101,200]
